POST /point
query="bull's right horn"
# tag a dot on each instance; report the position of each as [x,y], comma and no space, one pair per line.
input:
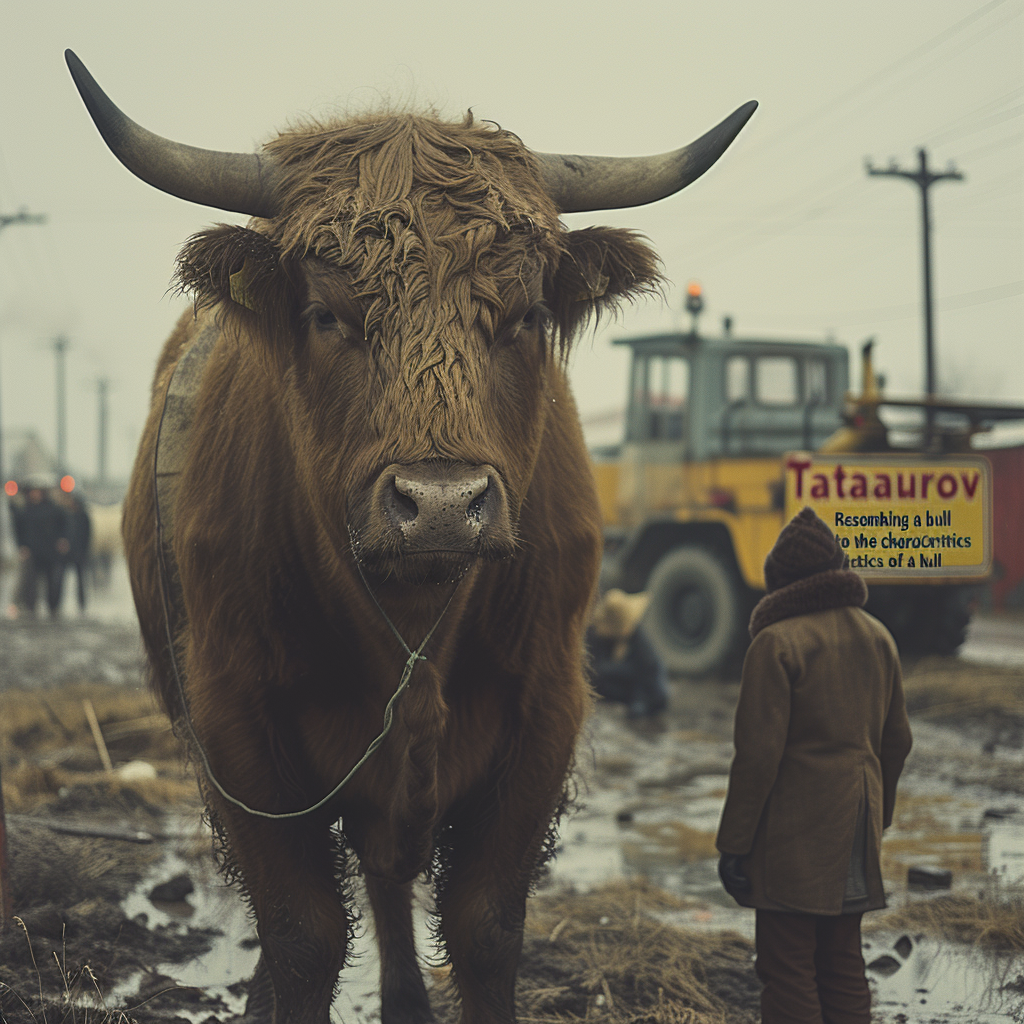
[239,182]
[580,183]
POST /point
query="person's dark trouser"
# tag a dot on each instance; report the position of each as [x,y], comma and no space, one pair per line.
[812,969]
[80,566]
[51,573]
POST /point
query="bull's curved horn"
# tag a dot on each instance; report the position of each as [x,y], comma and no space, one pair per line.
[240,182]
[579,183]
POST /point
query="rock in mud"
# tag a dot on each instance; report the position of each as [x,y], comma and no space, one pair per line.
[173,890]
[927,877]
[885,965]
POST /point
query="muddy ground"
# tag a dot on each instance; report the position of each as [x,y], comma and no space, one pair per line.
[630,924]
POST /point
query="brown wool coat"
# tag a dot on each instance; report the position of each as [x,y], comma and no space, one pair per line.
[821,725]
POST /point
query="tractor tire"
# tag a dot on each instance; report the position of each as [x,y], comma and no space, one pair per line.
[695,614]
[925,620]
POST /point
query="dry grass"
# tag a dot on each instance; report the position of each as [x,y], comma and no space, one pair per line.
[685,843]
[603,956]
[47,748]
[943,688]
[996,924]
[958,851]
[81,1001]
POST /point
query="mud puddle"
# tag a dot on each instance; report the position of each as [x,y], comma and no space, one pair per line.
[932,980]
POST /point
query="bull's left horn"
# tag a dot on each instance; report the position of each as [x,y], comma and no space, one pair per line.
[240,182]
[579,183]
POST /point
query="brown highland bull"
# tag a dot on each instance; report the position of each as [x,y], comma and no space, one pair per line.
[363,439]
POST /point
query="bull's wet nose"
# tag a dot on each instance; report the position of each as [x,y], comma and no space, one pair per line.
[441,509]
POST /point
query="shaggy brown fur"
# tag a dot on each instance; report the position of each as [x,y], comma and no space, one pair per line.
[405,314]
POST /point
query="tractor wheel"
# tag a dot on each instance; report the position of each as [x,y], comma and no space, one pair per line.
[694,618]
[925,620]
[940,625]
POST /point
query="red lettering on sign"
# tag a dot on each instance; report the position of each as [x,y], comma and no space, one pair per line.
[839,476]
[820,488]
[970,486]
[860,486]
[883,485]
[946,485]
[799,465]
[904,492]
[925,479]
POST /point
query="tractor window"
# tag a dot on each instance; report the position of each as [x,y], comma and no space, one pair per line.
[776,380]
[815,382]
[737,379]
[663,398]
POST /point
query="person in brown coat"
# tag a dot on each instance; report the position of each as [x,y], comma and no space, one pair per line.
[821,735]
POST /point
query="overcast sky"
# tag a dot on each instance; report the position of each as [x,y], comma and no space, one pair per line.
[787,233]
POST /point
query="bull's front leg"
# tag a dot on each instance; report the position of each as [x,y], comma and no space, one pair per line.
[287,871]
[495,849]
[286,867]
[403,995]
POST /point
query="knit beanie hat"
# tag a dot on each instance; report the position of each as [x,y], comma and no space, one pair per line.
[804,547]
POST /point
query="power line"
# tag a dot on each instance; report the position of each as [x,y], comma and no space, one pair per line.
[968,117]
[1008,140]
[718,241]
[876,76]
[978,126]
[7,220]
[904,310]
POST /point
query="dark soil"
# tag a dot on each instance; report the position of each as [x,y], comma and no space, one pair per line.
[71,935]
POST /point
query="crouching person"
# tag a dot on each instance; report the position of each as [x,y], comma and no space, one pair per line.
[624,666]
[821,735]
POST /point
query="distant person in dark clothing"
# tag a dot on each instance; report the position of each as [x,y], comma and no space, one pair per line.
[78,526]
[39,526]
[624,666]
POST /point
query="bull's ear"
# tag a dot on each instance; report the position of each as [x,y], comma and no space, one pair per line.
[233,265]
[599,269]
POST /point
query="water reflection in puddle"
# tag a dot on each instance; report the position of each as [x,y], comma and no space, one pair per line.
[962,984]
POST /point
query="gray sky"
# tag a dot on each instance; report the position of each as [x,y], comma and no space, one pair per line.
[787,233]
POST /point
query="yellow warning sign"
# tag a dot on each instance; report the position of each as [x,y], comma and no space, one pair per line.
[900,519]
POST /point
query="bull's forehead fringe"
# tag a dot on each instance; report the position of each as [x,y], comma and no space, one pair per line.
[376,174]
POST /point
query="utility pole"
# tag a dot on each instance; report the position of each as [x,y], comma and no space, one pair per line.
[6,903]
[924,178]
[6,220]
[60,348]
[103,389]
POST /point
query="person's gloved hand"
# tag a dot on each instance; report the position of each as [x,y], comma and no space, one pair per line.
[730,871]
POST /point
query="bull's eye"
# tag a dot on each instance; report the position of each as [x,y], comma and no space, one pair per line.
[324,319]
[535,317]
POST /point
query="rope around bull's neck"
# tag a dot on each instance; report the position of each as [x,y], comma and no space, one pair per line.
[410,663]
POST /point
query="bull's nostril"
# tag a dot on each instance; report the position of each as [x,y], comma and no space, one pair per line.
[403,506]
[475,509]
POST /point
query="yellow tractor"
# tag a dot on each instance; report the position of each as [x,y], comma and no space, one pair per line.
[695,495]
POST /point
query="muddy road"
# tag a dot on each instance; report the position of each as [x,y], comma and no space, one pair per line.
[114,880]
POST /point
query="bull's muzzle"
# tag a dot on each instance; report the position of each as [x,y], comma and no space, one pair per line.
[441,508]
[429,520]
